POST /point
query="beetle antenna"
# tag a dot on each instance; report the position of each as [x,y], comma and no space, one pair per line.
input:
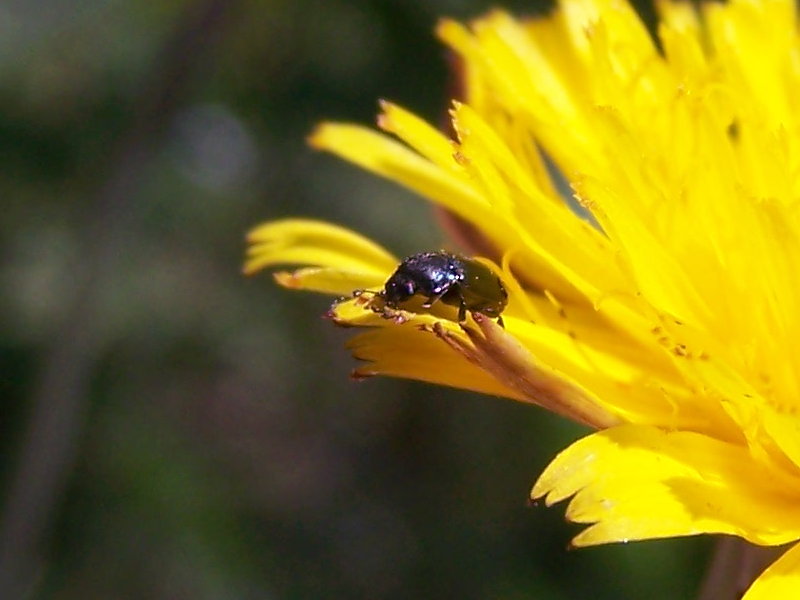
[359,293]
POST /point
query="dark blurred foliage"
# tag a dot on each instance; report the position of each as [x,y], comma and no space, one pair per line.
[221,450]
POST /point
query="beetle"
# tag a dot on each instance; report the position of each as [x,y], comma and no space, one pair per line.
[450,278]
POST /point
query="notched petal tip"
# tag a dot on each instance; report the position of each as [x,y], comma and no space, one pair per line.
[384,118]
[358,374]
[544,495]
[444,23]
[353,311]
[330,315]
[316,138]
[287,279]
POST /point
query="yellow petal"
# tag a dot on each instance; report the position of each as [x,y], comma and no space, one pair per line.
[659,274]
[428,141]
[639,482]
[455,190]
[410,352]
[757,45]
[306,241]
[501,354]
[381,155]
[413,346]
[329,280]
[510,74]
[559,240]
[785,431]
[780,580]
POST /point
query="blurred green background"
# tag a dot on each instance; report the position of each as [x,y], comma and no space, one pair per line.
[174,430]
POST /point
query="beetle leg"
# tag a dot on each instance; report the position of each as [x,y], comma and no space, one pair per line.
[462,307]
[462,311]
[432,300]
[500,322]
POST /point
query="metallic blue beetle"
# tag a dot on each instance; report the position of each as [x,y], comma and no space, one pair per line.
[453,279]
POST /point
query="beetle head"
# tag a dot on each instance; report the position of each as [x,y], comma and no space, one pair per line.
[398,289]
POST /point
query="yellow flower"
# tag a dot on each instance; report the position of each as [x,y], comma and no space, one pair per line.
[667,318]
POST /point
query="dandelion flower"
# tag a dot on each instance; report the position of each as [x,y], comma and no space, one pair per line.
[665,316]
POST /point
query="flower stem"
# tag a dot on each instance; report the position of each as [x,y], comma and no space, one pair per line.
[734,566]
